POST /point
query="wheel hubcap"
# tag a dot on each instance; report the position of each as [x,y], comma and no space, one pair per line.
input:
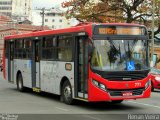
[20,84]
[67,92]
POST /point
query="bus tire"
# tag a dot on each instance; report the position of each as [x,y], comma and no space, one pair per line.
[20,86]
[67,93]
[116,101]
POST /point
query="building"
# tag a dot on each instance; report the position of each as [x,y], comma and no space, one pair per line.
[53,18]
[16,8]
[8,27]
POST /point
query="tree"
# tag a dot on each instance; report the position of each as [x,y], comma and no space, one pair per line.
[113,11]
[141,10]
[88,10]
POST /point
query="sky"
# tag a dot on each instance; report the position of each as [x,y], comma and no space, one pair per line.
[47,3]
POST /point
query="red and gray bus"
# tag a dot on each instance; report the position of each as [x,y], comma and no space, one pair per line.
[91,62]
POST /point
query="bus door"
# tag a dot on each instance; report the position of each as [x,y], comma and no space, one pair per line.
[36,64]
[81,67]
[10,48]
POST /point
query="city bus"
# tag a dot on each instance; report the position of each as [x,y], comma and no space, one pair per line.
[91,62]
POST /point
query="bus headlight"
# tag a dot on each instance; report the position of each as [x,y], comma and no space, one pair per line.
[147,84]
[157,79]
[99,85]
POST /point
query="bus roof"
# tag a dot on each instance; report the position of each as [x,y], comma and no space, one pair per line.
[79,28]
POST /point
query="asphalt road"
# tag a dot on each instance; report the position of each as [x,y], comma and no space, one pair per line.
[39,104]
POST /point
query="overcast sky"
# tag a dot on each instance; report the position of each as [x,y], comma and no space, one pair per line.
[47,3]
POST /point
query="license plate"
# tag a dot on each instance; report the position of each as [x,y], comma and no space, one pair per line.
[127,93]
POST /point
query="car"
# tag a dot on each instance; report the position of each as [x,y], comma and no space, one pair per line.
[155,78]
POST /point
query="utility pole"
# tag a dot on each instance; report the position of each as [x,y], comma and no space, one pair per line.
[153,20]
[16,26]
[43,13]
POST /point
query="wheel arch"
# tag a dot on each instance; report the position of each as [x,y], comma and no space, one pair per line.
[62,82]
[19,82]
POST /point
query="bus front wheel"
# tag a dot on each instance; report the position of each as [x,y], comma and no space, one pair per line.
[20,86]
[67,93]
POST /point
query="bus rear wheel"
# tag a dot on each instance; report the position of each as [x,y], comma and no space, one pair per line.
[20,86]
[67,93]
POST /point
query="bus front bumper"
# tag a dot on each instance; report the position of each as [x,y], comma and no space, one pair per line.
[97,94]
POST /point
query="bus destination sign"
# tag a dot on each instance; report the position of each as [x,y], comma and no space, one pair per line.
[119,30]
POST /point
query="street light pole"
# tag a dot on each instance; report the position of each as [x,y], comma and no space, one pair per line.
[153,20]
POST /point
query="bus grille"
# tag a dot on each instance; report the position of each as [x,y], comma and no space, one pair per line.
[123,75]
[120,92]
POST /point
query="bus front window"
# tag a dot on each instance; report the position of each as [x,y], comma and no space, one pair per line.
[114,55]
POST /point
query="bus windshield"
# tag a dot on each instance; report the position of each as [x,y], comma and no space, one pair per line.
[115,55]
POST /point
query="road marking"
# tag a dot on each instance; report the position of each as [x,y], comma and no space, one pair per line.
[61,109]
[144,104]
[88,116]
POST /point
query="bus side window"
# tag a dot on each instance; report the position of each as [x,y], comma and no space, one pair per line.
[49,51]
[65,48]
[65,54]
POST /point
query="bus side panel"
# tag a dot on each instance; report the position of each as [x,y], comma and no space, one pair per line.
[24,66]
[52,73]
[48,75]
[63,72]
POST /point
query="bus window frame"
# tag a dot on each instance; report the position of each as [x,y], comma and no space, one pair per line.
[24,55]
[43,38]
[56,47]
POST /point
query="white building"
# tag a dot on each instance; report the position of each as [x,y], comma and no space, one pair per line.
[53,18]
[16,8]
